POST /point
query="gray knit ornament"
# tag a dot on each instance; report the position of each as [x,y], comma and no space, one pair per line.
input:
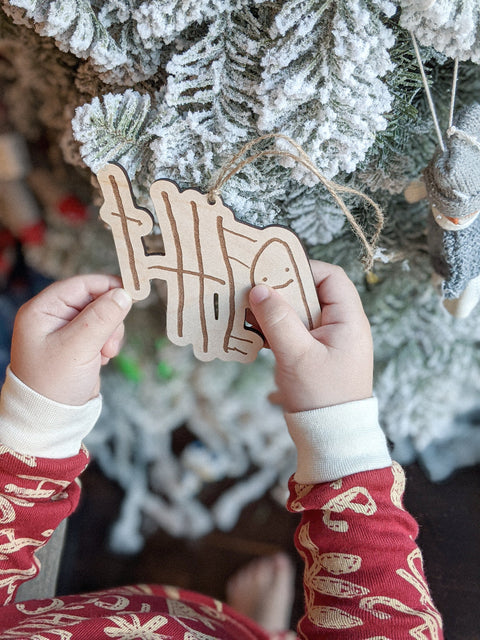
[452,181]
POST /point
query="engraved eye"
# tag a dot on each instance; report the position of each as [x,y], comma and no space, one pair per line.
[265,279]
[287,269]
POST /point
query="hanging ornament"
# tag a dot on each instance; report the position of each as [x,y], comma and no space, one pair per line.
[211,262]
[451,183]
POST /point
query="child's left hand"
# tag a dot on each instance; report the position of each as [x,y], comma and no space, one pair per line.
[65,334]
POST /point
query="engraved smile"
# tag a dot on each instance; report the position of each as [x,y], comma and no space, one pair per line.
[282,286]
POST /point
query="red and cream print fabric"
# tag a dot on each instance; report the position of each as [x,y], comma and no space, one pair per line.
[364,575]
[363,570]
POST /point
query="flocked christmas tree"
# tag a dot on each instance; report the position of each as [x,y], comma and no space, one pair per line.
[173,89]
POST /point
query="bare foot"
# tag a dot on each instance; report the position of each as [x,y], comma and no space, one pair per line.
[264,591]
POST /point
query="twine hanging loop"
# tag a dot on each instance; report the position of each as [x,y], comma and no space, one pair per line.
[236,164]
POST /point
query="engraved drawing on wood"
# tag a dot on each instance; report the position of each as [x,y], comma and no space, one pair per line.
[210,262]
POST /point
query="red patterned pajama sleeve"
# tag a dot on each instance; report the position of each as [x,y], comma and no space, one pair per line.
[364,577]
[36,494]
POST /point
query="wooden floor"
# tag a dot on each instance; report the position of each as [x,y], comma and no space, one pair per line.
[448,514]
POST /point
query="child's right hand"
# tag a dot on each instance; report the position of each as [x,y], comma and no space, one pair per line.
[65,334]
[332,364]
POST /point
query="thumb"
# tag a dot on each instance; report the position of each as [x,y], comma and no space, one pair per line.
[87,333]
[286,334]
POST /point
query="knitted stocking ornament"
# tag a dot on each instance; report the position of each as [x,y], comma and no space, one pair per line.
[452,181]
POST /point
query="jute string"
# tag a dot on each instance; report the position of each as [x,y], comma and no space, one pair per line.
[236,164]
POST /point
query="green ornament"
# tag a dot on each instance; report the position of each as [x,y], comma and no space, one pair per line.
[128,367]
[165,370]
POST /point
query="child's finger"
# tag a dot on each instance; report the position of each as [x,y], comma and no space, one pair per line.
[88,332]
[113,345]
[286,334]
[275,397]
[338,297]
[76,292]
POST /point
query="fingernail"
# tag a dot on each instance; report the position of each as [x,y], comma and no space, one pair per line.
[259,293]
[122,298]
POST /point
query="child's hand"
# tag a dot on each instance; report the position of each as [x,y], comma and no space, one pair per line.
[330,365]
[63,335]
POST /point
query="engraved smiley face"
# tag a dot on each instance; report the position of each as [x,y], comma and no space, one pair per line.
[273,265]
[276,278]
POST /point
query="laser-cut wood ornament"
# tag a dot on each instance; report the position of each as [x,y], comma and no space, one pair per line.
[211,262]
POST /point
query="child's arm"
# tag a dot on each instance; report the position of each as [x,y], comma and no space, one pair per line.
[60,340]
[363,571]
[48,404]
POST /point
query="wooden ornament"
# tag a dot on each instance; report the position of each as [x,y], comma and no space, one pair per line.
[210,263]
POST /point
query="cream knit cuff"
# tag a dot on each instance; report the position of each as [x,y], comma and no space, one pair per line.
[338,441]
[34,425]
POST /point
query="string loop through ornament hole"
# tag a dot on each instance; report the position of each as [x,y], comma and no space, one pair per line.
[236,164]
[212,196]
